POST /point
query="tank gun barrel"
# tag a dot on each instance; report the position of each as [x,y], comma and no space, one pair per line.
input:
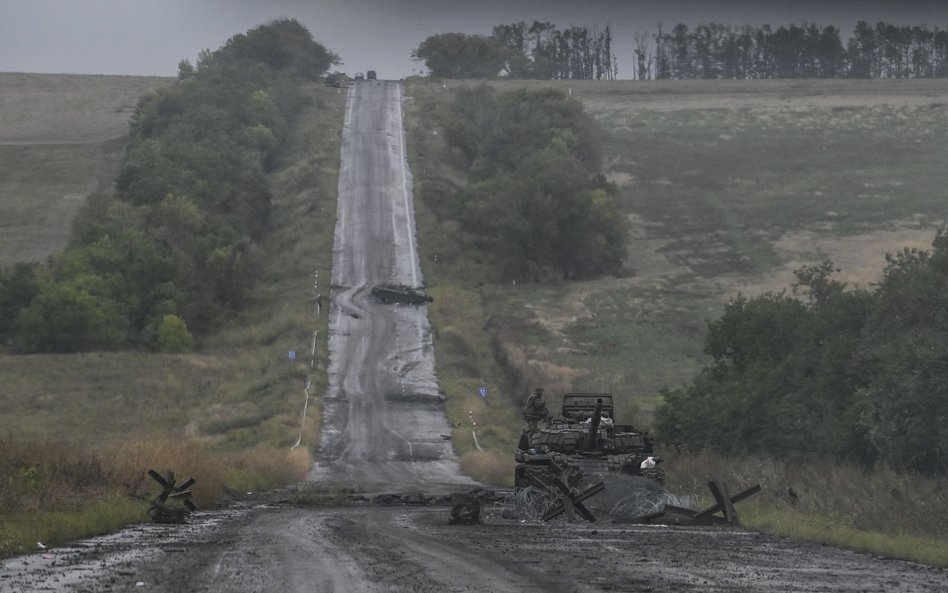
[594,420]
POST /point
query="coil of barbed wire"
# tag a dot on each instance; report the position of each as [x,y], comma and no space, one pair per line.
[530,503]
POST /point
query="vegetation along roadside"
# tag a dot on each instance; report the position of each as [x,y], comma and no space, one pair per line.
[228,413]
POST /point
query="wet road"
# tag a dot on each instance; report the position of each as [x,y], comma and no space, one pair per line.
[384,426]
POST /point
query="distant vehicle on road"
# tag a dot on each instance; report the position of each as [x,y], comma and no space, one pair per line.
[359,76]
[370,75]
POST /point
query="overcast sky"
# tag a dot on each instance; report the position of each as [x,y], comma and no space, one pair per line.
[150,37]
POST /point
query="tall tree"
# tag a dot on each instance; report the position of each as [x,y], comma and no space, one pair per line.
[458,55]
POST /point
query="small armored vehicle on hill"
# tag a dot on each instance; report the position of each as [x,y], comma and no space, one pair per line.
[584,437]
[396,293]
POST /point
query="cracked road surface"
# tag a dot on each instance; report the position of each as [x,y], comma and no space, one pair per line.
[383,434]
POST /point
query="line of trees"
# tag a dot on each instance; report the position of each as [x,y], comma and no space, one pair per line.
[174,250]
[845,373]
[537,51]
[719,51]
[708,51]
[535,202]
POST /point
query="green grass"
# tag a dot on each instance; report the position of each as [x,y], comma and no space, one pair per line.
[96,397]
[931,550]
[883,511]
[19,535]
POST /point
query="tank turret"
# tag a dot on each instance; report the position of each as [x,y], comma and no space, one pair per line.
[584,436]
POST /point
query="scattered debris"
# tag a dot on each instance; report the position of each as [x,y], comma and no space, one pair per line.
[467,507]
[435,399]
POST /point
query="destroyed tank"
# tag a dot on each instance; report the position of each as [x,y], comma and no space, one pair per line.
[397,293]
[584,437]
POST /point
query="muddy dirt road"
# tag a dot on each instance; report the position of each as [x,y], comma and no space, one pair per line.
[282,548]
[383,434]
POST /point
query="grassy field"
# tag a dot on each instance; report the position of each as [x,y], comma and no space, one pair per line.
[728,187]
[884,512]
[61,138]
[78,431]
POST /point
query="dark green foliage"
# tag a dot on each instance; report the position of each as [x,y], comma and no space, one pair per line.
[905,402]
[716,51]
[173,335]
[845,373]
[283,45]
[18,288]
[177,241]
[534,201]
[458,55]
[80,314]
[539,51]
[544,52]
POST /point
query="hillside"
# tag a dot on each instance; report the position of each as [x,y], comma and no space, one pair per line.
[728,187]
[61,137]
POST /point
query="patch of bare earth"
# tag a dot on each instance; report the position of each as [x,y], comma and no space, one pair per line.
[859,259]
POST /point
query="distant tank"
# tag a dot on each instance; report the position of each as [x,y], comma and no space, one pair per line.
[584,437]
[396,293]
[371,75]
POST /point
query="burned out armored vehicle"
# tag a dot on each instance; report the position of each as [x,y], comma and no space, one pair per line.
[584,437]
[397,293]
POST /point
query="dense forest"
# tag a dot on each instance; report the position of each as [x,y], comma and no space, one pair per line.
[707,51]
[829,372]
[174,249]
[535,199]
[538,51]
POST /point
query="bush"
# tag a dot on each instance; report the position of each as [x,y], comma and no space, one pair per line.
[173,335]
[534,200]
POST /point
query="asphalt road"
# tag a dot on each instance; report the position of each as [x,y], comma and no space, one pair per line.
[383,431]
[384,425]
